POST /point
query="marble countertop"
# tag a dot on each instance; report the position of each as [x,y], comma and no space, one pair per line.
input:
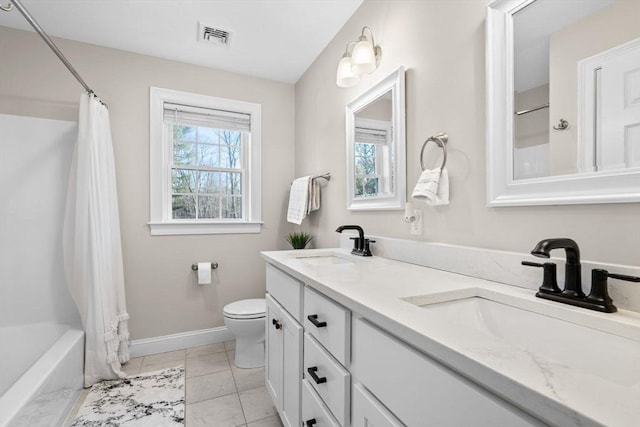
[386,292]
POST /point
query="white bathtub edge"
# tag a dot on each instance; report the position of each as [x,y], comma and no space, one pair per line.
[24,390]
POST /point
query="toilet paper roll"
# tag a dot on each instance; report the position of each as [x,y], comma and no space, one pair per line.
[204,273]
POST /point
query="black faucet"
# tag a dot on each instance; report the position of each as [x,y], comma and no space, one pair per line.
[598,299]
[361,245]
[572,275]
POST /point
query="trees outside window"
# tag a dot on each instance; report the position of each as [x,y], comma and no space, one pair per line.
[206,175]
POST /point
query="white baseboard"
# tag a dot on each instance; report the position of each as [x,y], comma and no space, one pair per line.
[162,344]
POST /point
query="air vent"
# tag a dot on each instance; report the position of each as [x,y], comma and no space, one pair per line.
[213,35]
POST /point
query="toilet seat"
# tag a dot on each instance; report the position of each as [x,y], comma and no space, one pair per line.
[245,309]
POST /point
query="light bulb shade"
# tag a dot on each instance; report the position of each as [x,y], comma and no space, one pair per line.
[344,76]
[363,58]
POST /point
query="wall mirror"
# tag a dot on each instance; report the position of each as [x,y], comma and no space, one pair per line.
[376,146]
[563,102]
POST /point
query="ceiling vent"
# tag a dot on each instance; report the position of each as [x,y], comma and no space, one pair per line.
[213,35]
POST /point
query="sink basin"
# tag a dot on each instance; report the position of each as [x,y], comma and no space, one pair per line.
[541,330]
[323,258]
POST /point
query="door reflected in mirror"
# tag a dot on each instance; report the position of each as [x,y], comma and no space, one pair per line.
[376,146]
[576,87]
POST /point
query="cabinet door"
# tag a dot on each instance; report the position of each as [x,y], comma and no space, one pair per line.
[292,370]
[368,412]
[274,360]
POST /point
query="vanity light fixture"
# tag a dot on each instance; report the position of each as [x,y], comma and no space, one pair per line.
[345,76]
[363,58]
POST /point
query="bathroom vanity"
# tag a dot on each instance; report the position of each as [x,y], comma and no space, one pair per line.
[354,341]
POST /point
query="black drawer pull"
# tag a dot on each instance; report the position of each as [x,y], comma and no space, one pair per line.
[276,324]
[313,318]
[312,372]
[310,423]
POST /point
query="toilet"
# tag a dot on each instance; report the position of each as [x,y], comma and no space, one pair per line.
[245,319]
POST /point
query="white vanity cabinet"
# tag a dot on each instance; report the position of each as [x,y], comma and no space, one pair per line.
[283,365]
[358,375]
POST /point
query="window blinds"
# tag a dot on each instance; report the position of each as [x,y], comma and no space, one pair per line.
[370,136]
[209,117]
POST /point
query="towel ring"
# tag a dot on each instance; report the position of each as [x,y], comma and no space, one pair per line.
[441,141]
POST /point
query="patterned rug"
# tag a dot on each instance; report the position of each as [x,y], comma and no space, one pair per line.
[153,399]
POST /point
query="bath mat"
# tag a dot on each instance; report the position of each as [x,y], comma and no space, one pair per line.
[152,399]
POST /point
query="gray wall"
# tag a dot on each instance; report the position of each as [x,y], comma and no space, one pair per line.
[161,289]
[441,44]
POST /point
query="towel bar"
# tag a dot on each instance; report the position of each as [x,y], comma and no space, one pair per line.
[326,176]
[441,140]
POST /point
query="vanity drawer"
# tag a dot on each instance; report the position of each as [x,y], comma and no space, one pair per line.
[367,411]
[329,323]
[286,290]
[420,391]
[313,409]
[328,378]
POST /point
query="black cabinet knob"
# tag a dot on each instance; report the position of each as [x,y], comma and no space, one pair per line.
[310,423]
[276,324]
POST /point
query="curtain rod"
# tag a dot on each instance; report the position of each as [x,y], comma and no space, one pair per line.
[49,42]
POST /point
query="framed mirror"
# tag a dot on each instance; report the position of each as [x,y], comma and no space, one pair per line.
[376,146]
[563,102]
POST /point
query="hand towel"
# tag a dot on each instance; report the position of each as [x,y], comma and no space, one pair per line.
[298,200]
[314,195]
[433,186]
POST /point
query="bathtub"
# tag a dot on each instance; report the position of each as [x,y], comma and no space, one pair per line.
[40,373]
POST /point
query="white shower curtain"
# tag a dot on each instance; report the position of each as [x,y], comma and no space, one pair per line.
[92,247]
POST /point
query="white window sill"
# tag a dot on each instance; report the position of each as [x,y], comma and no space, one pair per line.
[200,227]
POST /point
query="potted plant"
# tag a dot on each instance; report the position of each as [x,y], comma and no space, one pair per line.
[299,240]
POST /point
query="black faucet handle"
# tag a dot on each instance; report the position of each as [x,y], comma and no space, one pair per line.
[366,251]
[599,294]
[549,281]
[532,264]
[623,277]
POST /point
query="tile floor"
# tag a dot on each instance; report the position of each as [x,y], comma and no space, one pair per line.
[218,394]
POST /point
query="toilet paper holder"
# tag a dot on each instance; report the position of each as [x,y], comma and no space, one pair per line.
[194,267]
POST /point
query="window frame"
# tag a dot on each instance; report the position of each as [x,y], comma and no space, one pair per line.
[161,155]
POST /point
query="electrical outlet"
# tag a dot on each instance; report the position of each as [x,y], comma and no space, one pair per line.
[416,226]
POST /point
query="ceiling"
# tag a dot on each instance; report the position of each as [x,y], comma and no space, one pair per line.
[272,39]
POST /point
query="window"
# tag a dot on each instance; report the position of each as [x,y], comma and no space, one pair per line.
[371,158]
[205,164]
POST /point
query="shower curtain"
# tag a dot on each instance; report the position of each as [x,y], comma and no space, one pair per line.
[92,247]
